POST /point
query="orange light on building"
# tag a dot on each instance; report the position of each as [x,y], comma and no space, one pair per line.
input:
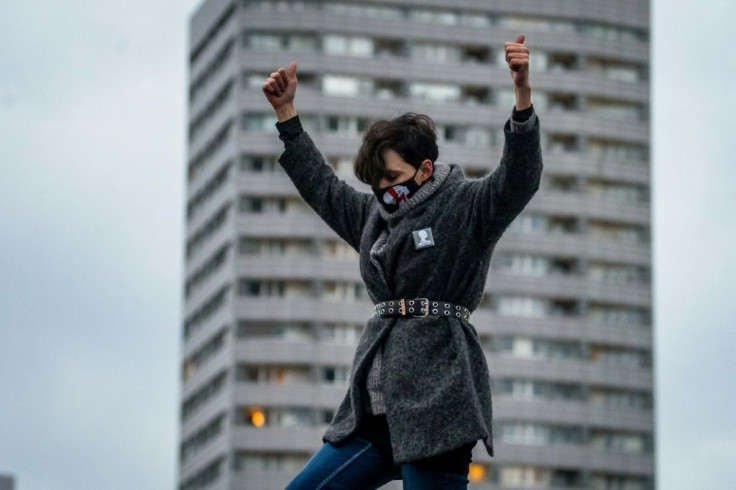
[476,472]
[257,418]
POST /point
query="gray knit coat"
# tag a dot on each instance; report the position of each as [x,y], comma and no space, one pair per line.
[434,377]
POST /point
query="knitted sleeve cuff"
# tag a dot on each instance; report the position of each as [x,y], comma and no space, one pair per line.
[522,121]
[289,129]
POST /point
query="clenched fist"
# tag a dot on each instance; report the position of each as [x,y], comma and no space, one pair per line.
[279,89]
[517,56]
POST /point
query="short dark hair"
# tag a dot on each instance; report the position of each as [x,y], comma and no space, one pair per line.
[412,136]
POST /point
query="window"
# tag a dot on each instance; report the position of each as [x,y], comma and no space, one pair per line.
[360,11]
[523,476]
[278,463]
[251,204]
[206,476]
[433,16]
[617,315]
[532,434]
[347,45]
[617,232]
[621,398]
[619,357]
[256,205]
[616,70]
[211,306]
[613,33]
[617,274]
[207,230]
[284,331]
[616,151]
[526,389]
[521,306]
[202,396]
[248,287]
[256,122]
[435,92]
[472,19]
[259,163]
[621,442]
[522,264]
[278,42]
[346,125]
[478,136]
[212,265]
[528,23]
[340,333]
[343,291]
[336,375]
[293,417]
[342,86]
[274,246]
[505,99]
[618,192]
[619,482]
[266,42]
[273,374]
[201,438]
[530,223]
[560,143]
[618,110]
[210,349]
[209,190]
[275,417]
[205,115]
[435,52]
[206,155]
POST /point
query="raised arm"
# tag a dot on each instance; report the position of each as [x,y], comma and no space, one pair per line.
[341,206]
[499,197]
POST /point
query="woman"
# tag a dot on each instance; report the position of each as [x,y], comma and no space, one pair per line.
[419,397]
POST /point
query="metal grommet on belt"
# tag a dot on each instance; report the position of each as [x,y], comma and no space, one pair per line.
[439,308]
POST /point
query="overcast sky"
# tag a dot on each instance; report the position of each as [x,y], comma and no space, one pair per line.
[92,152]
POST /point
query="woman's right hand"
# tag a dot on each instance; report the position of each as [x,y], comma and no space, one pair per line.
[280,88]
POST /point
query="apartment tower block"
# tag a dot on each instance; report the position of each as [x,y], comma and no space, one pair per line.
[273,301]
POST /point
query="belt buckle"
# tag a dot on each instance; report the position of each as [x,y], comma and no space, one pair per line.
[426,310]
[402,307]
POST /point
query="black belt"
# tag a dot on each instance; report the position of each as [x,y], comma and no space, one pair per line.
[422,306]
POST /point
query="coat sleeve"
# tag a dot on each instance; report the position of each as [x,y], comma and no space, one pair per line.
[495,200]
[342,207]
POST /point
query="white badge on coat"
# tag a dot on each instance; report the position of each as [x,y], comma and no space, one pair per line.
[423,238]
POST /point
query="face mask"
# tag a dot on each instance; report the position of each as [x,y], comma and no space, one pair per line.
[394,196]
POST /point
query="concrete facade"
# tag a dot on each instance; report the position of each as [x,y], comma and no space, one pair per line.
[273,301]
[7,482]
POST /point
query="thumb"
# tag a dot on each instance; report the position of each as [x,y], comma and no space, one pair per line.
[520,39]
[292,69]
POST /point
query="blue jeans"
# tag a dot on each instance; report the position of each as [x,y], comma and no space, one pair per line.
[358,465]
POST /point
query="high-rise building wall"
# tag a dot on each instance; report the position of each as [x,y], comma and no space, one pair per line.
[274,304]
[7,482]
